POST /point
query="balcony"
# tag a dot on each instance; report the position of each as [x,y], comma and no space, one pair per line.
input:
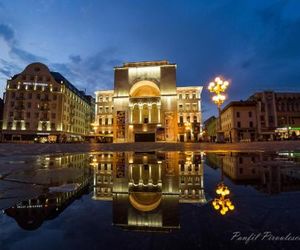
[20,107]
[146,99]
[19,117]
[44,108]
[20,98]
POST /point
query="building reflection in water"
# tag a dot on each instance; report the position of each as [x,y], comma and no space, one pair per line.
[66,178]
[268,172]
[146,188]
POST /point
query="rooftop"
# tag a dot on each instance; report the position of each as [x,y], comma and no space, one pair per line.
[239,104]
[145,64]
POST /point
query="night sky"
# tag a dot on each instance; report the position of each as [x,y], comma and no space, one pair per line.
[255,43]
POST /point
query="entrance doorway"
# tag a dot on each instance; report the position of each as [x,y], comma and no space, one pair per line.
[144,137]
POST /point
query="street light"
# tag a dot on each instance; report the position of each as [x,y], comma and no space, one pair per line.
[218,87]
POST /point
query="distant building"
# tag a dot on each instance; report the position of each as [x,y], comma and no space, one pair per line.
[238,121]
[210,128]
[1,117]
[146,105]
[42,105]
[278,114]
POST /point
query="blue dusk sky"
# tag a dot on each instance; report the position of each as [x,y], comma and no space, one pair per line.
[254,43]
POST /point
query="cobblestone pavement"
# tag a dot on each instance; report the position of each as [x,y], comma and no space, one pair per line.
[8,149]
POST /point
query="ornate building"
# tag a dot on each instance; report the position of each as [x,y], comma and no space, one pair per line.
[278,114]
[146,105]
[44,106]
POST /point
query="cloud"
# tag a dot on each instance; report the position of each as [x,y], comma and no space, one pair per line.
[6,32]
[93,72]
[75,58]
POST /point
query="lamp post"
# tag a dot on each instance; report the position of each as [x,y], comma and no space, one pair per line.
[218,88]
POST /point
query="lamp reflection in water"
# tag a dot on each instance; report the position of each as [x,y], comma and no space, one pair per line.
[222,203]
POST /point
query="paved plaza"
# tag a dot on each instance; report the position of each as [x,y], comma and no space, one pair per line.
[8,149]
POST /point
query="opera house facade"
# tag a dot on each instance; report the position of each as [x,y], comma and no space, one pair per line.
[146,105]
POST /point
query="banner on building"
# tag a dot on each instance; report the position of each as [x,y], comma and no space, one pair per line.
[160,134]
[120,173]
[120,124]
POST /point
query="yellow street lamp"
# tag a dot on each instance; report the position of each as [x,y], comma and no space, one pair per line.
[223,204]
[218,88]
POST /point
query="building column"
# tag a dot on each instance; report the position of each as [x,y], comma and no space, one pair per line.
[141,112]
[158,113]
[141,175]
[150,181]
[159,174]
[149,112]
[131,113]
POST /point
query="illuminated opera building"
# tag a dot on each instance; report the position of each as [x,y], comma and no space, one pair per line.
[146,105]
[43,105]
[146,188]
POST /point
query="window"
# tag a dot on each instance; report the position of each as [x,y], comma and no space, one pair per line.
[12,104]
[250,114]
[13,95]
[187,107]
[188,119]
[112,120]
[106,121]
[194,96]
[52,126]
[238,114]
[106,109]
[100,121]
[180,106]
[27,125]
[107,98]
[195,119]
[181,119]
[187,96]
[180,96]
[195,106]
[54,97]
[11,114]
[38,96]
[53,115]
[238,124]
[29,95]
[251,124]
[28,104]
[28,114]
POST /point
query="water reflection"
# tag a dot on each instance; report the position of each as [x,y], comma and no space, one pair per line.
[146,189]
[270,173]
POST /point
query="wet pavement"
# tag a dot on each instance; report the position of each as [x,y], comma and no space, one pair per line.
[11,149]
[150,200]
